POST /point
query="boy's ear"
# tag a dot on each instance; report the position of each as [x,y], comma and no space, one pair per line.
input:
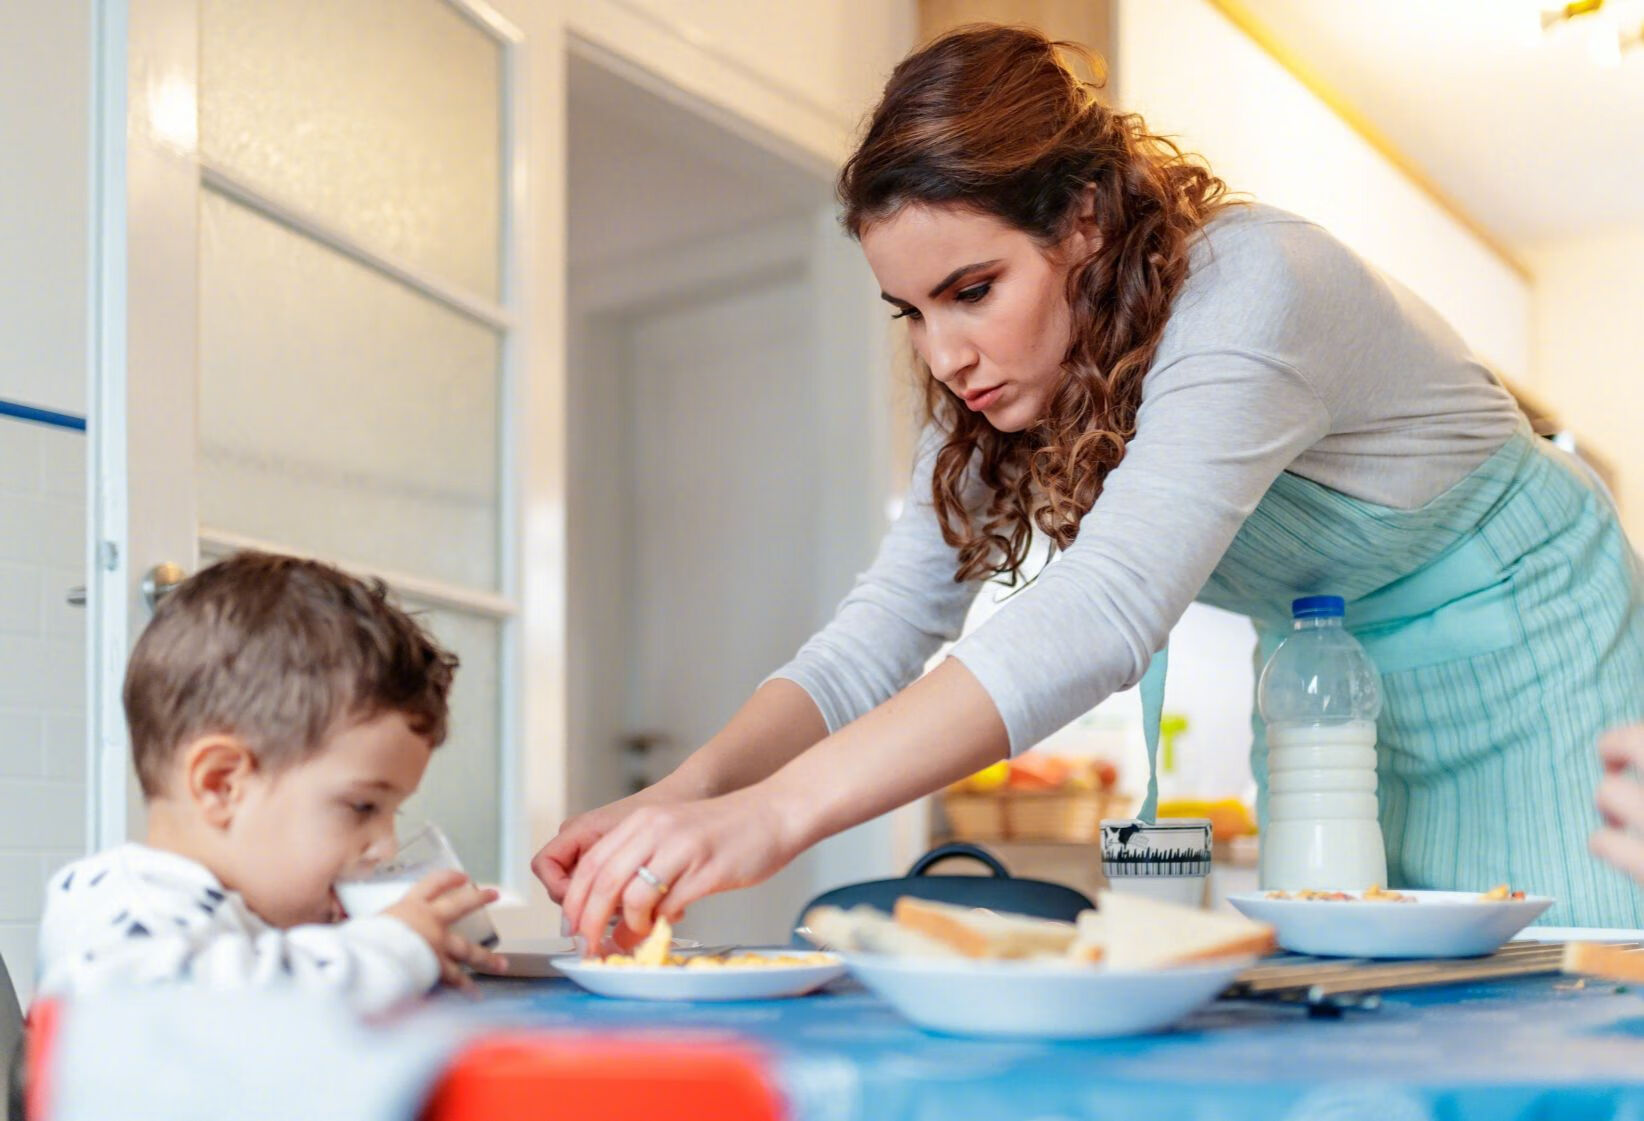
[217,772]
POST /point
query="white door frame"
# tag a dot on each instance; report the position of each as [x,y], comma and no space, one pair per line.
[145,296]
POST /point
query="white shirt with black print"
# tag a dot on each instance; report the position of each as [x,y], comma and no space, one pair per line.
[140,915]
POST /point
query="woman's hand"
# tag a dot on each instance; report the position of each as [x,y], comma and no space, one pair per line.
[696,846]
[558,859]
[692,848]
[1621,801]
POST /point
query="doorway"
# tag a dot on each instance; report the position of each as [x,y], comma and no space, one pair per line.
[728,446]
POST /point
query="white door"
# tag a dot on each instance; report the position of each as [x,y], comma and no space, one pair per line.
[315,277]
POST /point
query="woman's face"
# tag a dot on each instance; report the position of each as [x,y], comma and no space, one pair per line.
[986,305]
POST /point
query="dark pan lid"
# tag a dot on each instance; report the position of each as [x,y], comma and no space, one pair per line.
[999,892]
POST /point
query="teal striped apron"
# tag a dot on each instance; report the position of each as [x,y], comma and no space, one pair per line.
[1506,620]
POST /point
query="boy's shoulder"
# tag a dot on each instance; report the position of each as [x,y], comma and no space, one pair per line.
[132,880]
[131,862]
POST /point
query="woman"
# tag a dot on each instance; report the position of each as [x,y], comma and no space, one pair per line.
[1190,398]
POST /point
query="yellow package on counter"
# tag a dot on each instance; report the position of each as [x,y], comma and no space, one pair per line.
[1229,817]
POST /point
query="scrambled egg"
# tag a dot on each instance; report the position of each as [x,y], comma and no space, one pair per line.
[729,961]
[654,951]
[1314,896]
[1376,894]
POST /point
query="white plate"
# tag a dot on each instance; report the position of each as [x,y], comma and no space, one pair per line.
[1039,1000]
[675,982]
[538,957]
[1439,924]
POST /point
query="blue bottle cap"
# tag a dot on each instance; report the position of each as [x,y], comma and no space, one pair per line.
[1318,607]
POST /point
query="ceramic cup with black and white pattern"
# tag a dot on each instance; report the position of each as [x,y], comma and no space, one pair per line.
[1168,859]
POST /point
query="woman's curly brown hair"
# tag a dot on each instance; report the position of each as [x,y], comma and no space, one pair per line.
[991,119]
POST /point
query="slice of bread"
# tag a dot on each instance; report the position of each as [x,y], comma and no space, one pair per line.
[980,933]
[865,929]
[830,928]
[1612,963]
[1142,933]
[1090,942]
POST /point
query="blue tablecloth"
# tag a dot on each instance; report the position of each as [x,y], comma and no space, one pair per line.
[1542,1048]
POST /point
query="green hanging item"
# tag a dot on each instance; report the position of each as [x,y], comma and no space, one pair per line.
[1171,725]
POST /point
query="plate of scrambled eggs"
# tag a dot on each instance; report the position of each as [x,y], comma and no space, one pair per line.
[655,972]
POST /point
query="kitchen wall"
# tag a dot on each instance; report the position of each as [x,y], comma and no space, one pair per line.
[1194,75]
[1589,350]
[45,87]
[42,674]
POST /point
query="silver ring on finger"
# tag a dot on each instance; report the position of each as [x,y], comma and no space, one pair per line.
[657,882]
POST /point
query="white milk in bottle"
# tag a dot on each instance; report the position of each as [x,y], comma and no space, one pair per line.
[1319,697]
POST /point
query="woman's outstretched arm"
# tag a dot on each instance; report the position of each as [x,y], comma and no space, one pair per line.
[777,723]
[939,729]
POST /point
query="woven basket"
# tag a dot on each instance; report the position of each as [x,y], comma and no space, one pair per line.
[1029,815]
[975,817]
[1055,815]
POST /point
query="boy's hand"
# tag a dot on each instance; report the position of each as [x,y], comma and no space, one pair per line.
[432,906]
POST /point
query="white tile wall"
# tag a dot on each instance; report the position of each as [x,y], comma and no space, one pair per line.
[42,675]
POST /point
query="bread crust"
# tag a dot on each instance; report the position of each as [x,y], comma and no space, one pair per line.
[964,930]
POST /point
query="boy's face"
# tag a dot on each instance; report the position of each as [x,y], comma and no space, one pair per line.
[297,831]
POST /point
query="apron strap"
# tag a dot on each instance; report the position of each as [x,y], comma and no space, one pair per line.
[1152,688]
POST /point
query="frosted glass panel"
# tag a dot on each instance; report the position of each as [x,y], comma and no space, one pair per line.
[461,790]
[341,412]
[383,117]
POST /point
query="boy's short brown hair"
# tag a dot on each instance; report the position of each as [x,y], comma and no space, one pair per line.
[278,651]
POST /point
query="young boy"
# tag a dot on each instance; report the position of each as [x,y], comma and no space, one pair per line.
[280,712]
